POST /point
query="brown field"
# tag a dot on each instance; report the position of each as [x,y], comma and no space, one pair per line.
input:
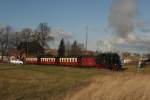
[120,86]
[38,82]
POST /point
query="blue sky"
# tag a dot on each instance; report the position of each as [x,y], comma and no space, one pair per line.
[71,15]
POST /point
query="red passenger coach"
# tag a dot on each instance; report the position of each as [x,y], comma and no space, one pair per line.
[69,61]
[31,60]
[88,62]
[47,61]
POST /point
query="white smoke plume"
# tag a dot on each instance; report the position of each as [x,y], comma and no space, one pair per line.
[123,24]
[121,18]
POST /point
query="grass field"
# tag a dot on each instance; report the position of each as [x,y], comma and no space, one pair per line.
[38,82]
[33,82]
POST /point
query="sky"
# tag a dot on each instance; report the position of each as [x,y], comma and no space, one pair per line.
[71,15]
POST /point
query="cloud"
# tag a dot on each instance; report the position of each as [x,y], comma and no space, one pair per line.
[58,33]
[133,43]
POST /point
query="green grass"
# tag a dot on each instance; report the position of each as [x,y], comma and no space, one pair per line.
[38,82]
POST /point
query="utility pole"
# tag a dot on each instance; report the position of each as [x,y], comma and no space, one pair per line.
[17,39]
[98,46]
[86,42]
[27,47]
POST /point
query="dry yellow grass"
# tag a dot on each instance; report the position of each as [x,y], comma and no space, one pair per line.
[118,86]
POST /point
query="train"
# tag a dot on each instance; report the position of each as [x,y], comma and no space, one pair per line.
[102,61]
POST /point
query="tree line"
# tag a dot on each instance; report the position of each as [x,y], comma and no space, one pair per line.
[28,40]
[33,42]
[74,50]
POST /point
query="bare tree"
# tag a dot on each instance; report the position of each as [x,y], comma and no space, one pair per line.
[26,36]
[43,34]
[15,40]
[4,40]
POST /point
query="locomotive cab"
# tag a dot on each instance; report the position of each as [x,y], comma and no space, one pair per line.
[110,61]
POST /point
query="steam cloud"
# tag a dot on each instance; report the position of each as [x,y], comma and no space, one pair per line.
[122,16]
[123,25]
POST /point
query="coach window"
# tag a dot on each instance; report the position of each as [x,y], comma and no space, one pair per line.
[75,59]
[69,59]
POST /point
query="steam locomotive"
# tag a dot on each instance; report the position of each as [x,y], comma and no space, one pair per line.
[105,60]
